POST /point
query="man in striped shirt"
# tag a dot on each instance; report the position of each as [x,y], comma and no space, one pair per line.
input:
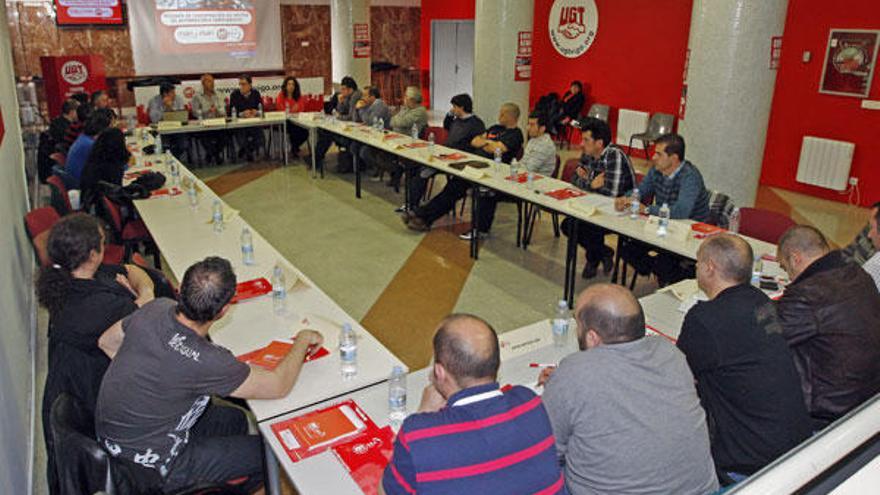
[468,436]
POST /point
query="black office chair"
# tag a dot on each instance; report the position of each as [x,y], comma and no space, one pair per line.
[84,467]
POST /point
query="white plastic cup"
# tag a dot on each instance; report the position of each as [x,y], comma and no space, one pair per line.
[74,197]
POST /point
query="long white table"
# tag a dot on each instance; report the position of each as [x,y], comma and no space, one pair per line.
[593,208]
[323,473]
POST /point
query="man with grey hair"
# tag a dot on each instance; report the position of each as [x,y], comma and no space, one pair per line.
[745,375]
[625,412]
[872,265]
[412,113]
[830,315]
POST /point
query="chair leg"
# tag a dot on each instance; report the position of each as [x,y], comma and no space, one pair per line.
[519,224]
[645,147]
[632,283]
[555,217]
[530,227]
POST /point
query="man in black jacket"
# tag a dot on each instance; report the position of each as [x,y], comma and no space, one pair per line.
[830,315]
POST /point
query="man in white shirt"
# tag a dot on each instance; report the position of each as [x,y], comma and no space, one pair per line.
[872,266]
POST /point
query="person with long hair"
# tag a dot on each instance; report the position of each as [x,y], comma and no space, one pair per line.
[107,162]
[86,301]
[289,99]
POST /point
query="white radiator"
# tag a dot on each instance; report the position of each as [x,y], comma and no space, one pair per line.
[825,162]
[630,122]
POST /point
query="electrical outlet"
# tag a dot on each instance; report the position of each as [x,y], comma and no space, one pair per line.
[853,181]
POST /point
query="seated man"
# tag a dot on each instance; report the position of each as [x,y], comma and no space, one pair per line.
[745,375]
[604,169]
[153,407]
[872,265]
[625,413]
[468,436]
[346,110]
[245,102]
[461,126]
[369,110]
[676,182]
[539,157]
[412,113]
[59,125]
[79,151]
[208,105]
[167,101]
[829,315]
[100,100]
[504,136]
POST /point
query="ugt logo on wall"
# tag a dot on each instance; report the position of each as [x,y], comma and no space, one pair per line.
[572,26]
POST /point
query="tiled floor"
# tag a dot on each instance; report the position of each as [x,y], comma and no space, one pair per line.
[399,283]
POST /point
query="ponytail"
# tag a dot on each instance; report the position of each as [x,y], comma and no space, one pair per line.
[53,284]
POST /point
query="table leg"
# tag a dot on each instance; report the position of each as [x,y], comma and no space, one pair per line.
[571,263]
[357,174]
[284,144]
[475,240]
[313,142]
[273,476]
[407,177]
[620,243]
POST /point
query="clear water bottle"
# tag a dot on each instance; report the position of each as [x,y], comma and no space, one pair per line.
[279,290]
[158,144]
[514,167]
[199,116]
[217,216]
[191,194]
[260,110]
[347,352]
[733,226]
[634,204]
[173,168]
[414,132]
[559,324]
[286,110]
[757,270]
[530,181]
[234,115]
[397,396]
[247,246]
[663,224]
[431,143]
[381,125]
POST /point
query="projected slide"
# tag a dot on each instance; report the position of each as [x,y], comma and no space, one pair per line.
[191,36]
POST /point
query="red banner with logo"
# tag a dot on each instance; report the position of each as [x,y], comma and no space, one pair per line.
[64,76]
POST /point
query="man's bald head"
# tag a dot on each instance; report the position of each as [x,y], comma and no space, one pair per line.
[467,347]
[803,239]
[731,255]
[612,312]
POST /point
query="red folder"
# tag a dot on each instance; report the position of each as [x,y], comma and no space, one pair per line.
[418,144]
[523,177]
[565,193]
[251,288]
[703,230]
[172,191]
[315,432]
[270,356]
[366,456]
[389,137]
[451,157]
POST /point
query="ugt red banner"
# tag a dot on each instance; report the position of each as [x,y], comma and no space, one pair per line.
[84,12]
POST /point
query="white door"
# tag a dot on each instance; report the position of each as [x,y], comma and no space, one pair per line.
[452,61]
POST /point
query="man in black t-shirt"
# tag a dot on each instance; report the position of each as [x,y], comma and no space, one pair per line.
[504,137]
[245,103]
[153,406]
[745,373]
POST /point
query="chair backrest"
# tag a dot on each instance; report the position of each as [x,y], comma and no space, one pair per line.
[720,209]
[599,111]
[765,225]
[114,212]
[60,159]
[660,123]
[60,200]
[37,223]
[440,134]
[568,171]
[556,167]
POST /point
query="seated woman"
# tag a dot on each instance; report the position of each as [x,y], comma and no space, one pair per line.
[289,99]
[86,302]
[107,162]
[572,102]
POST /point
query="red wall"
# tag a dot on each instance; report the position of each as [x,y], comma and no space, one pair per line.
[799,109]
[636,61]
[438,9]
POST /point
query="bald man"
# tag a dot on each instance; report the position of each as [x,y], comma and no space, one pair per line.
[745,375]
[830,315]
[468,436]
[624,410]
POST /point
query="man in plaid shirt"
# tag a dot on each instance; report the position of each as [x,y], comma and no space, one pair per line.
[604,169]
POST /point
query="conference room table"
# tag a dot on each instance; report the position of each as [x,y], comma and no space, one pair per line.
[592,208]
[185,234]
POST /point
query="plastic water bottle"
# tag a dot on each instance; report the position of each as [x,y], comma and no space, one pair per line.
[559,325]
[279,290]
[347,352]
[286,110]
[158,144]
[514,167]
[234,115]
[663,224]
[530,180]
[414,132]
[217,216]
[733,226]
[757,269]
[247,246]
[431,142]
[634,204]
[199,116]
[397,395]
[173,168]
[260,110]
[191,194]
[381,125]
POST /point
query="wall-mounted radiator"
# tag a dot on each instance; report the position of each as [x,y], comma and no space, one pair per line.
[825,162]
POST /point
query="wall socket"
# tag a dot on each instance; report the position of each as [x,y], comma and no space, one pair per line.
[853,181]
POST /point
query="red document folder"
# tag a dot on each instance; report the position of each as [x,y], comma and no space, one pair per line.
[703,230]
[251,288]
[523,177]
[451,157]
[268,357]
[366,456]
[565,193]
[315,432]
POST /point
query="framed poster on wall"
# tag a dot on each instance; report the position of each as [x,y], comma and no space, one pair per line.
[849,62]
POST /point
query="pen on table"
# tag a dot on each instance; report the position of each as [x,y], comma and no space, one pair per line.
[542,365]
